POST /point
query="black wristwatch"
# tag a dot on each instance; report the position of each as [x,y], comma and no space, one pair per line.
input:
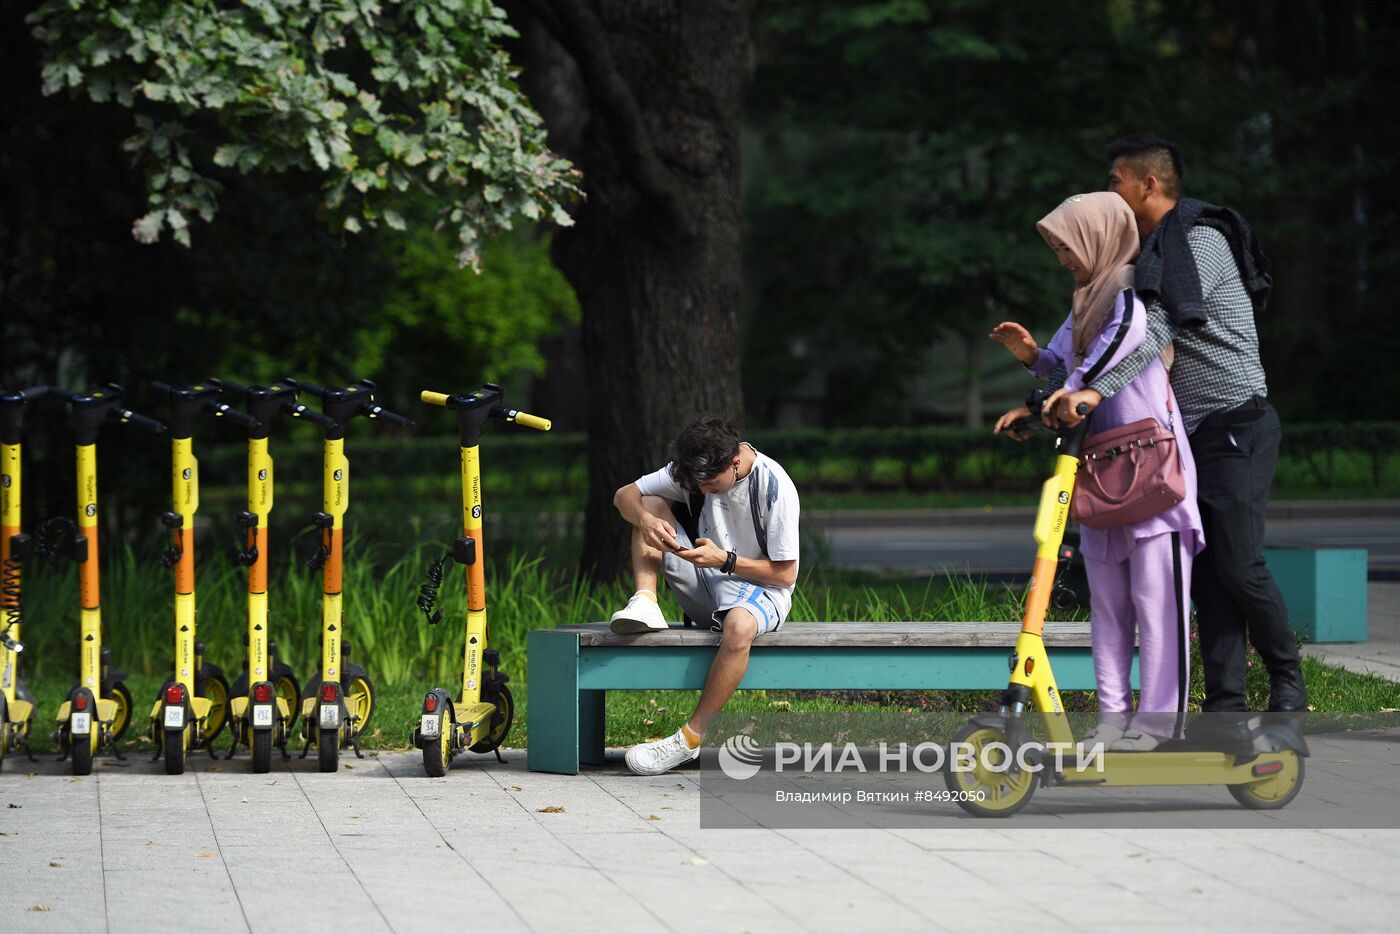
[728,566]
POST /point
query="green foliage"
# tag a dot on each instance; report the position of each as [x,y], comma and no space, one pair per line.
[459,327]
[387,101]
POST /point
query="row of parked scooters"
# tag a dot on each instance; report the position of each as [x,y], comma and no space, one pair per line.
[261,706]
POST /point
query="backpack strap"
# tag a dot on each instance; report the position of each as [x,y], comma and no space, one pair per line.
[760,516]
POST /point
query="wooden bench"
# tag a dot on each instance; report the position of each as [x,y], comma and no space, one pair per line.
[571,669]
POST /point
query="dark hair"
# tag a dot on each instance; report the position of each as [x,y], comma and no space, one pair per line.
[704,450]
[1149,153]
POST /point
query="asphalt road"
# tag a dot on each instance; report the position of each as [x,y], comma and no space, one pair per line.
[1005,547]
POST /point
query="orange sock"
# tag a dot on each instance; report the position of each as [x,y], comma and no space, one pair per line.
[692,738]
[651,595]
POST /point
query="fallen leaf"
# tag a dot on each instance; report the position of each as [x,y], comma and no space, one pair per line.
[699,861]
[150,843]
[207,853]
[41,908]
[75,778]
[56,865]
[516,788]
[653,817]
[552,809]
[216,768]
[243,801]
[348,766]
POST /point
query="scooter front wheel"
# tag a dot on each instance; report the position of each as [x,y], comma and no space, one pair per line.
[501,719]
[122,719]
[287,688]
[1275,791]
[994,786]
[214,688]
[359,697]
[174,743]
[328,750]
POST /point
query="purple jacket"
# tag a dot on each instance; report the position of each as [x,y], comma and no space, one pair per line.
[1147,396]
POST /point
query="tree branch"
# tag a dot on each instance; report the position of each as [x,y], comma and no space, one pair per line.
[575,25]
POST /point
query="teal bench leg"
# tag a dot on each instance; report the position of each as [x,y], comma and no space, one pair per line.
[553,712]
[592,726]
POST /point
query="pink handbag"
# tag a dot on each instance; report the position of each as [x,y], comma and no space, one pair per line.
[1128,473]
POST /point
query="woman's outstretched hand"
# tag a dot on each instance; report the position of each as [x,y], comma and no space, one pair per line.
[1006,421]
[1016,339]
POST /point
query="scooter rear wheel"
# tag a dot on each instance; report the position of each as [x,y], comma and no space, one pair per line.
[80,752]
[262,751]
[992,788]
[1275,791]
[174,744]
[328,750]
[437,759]
[122,720]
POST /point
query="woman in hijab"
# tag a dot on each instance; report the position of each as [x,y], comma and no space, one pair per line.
[1139,574]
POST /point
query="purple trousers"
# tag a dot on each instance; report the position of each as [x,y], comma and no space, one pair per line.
[1146,594]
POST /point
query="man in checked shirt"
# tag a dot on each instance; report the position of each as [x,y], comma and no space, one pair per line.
[1202,274]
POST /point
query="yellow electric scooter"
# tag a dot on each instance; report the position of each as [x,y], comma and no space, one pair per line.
[479,717]
[1259,758]
[98,709]
[192,705]
[16,702]
[338,702]
[266,696]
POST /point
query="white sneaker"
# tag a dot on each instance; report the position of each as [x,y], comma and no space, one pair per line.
[1134,741]
[641,614]
[1105,733]
[662,755]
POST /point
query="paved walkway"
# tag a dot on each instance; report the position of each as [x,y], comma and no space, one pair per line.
[496,848]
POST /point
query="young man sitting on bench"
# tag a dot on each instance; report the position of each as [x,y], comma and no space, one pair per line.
[739,573]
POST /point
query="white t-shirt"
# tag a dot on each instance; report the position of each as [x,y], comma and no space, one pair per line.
[728,519]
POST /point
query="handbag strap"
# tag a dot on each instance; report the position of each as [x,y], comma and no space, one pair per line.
[1171,415]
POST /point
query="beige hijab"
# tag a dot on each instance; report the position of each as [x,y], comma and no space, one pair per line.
[1101,234]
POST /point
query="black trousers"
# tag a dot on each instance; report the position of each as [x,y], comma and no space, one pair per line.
[1236,453]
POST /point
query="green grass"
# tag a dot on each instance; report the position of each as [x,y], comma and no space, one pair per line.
[405,656]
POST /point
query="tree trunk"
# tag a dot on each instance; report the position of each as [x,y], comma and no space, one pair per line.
[654,256]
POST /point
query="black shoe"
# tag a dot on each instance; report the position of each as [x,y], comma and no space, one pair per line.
[1287,693]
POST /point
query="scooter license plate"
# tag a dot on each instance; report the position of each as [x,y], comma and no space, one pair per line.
[330,715]
[174,718]
[262,716]
[430,726]
[81,724]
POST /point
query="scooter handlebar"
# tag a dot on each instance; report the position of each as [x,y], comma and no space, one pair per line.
[163,389]
[128,417]
[375,411]
[297,410]
[320,392]
[228,385]
[223,410]
[523,418]
[434,398]
[39,392]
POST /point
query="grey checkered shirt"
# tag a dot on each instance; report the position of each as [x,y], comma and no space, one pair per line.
[1217,365]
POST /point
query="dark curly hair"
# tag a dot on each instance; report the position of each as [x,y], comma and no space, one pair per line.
[704,450]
